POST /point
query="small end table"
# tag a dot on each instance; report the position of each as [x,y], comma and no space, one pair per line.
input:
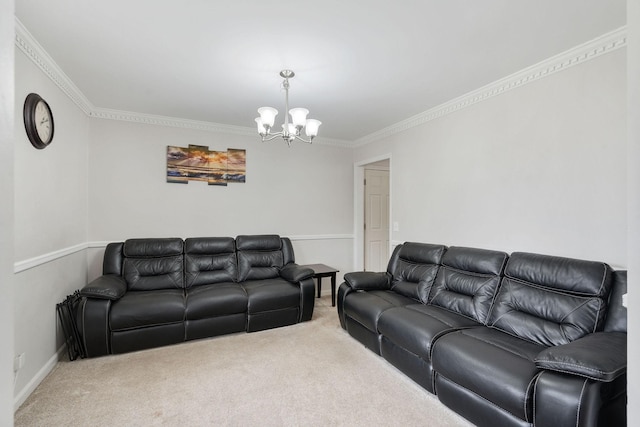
[320,271]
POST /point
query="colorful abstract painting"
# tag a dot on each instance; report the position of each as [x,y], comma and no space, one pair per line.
[236,165]
[198,163]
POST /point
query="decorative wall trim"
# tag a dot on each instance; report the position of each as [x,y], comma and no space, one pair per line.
[52,256]
[26,391]
[43,259]
[599,46]
[99,244]
[102,244]
[322,237]
[604,44]
[149,119]
[36,53]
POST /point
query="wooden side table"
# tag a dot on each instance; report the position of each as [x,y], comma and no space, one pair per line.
[320,271]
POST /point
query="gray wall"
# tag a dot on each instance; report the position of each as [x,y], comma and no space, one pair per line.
[633,119]
[538,168]
[6,210]
[50,229]
[303,191]
[104,180]
[557,142]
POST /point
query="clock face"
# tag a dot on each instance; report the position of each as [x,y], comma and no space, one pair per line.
[38,121]
[43,121]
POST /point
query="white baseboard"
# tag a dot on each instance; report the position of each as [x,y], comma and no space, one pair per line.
[22,396]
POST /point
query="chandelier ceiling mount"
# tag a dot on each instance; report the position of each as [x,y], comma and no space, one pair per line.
[291,130]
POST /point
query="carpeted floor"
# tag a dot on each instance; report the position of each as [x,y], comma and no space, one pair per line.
[309,374]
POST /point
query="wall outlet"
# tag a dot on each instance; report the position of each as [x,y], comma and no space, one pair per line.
[624,300]
[396,226]
[18,362]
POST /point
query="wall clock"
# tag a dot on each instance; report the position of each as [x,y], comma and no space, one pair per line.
[38,121]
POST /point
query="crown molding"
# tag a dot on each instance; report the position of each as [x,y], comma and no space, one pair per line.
[590,50]
[36,53]
[25,41]
[150,119]
[604,44]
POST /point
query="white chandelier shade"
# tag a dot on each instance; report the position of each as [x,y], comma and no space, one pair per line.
[291,130]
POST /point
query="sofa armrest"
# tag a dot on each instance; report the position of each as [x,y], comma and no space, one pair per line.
[105,287]
[601,356]
[368,281]
[294,273]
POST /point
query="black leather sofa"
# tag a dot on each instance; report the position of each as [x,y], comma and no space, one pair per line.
[163,291]
[503,340]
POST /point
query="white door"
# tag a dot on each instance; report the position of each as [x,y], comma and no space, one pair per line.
[376,219]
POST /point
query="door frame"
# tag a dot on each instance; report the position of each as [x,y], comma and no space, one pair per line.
[358,207]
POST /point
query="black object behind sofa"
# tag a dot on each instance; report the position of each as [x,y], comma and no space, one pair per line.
[517,340]
[162,291]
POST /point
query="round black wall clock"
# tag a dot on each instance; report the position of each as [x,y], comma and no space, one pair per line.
[38,121]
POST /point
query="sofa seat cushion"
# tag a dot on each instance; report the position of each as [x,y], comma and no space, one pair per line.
[415,327]
[271,294]
[366,307]
[497,366]
[219,299]
[147,308]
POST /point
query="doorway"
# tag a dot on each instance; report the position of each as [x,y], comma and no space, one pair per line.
[376,216]
[372,214]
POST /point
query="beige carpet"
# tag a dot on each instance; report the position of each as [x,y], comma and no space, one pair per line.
[310,374]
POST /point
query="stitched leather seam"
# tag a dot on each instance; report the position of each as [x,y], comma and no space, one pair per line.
[554,290]
[595,324]
[535,393]
[586,368]
[454,312]
[500,347]
[497,328]
[578,307]
[134,328]
[481,397]
[470,273]
[496,320]
[531,385]
[494,298]
[584,385]
[604,275]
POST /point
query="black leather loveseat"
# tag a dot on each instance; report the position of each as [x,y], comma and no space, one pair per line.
[163,291]
[503,340]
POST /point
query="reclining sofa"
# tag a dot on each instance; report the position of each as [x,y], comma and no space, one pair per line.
[519,340]
[163,291]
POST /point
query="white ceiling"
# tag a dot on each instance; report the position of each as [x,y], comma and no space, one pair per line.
[361,65]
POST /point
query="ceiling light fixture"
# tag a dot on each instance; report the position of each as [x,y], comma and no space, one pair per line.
[290,130]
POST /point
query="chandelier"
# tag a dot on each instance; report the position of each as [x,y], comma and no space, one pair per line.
[290,130]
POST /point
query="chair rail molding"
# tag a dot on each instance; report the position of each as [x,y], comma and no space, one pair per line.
[27,264]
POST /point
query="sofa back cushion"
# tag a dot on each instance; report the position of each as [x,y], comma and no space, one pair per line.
[151,264]
[413,268]
[551,300]
[209,260]
[616,320]
[467,281]
[113,258]
[259,257]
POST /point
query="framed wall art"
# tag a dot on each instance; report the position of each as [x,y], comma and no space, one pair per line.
[199,163]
